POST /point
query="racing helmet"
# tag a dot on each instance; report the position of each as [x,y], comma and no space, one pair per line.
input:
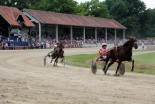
[55,45]
[104,44]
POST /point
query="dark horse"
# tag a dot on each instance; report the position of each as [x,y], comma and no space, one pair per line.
[58,53]
[120,54]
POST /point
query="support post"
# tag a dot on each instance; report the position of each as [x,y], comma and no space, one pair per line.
[96,36]
[39,32]
[84,35]
[57,40]
[106,35]
[9,30]
[71,34]
[115,37]
[123,34]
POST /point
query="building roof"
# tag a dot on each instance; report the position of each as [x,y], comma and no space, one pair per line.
[11,14]
[73,20]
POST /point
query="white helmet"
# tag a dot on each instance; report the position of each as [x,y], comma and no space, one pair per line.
[55,45]
[104,44]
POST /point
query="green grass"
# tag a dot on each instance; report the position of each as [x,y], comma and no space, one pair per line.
[148,58]
[144,63]
[81,60]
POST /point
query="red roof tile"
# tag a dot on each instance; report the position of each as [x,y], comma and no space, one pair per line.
[10,14]
[74,20]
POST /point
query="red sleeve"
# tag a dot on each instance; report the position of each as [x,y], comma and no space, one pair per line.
[100,51]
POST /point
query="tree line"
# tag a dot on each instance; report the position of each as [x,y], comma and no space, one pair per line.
[140,22]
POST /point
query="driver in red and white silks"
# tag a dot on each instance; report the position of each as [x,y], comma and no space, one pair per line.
[103,51]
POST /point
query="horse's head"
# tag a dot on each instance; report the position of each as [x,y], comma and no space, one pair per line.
[132,42]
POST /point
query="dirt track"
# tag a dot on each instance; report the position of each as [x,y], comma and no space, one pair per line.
[24,80]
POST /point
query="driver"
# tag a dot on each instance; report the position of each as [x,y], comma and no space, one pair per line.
[55,47]
[103,51]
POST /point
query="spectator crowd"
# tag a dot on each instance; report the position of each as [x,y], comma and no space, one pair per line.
[49,39]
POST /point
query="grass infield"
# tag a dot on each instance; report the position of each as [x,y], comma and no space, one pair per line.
[144,63]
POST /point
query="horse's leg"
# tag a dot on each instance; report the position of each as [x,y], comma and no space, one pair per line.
[62,59]
[105,65]
[112,62]
[51,60]
[49,54]
[55,61]
[119,63]
[132,69]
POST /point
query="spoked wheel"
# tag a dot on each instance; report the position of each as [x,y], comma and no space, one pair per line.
[122,69]
[93,67]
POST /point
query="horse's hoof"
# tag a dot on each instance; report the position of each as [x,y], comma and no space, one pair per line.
[115,74]
[105,73]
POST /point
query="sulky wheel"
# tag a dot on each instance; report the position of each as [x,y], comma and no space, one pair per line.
[121,69]
[93,67]
[44,61]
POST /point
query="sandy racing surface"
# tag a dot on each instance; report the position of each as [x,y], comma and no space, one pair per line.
[24,80]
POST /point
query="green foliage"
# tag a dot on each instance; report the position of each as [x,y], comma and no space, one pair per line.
[127,12]
[133,14]
[147,26]
[83,9]
[118,9]
[62,6]
[93,8]
[20,4]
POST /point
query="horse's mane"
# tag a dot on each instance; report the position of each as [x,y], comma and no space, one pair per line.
[126,43]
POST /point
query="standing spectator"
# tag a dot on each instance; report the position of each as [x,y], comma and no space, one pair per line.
[143,45]
[0,37]
[6,45]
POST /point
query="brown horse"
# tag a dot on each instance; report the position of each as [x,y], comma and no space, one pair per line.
[120,54]
[58,53]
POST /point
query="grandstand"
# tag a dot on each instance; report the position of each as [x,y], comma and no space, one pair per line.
[41,29]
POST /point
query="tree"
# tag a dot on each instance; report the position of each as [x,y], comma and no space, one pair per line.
[20,4]
[93,8]
[127,12]
[99,9]
[147,26]
[62,6]
[83,9]
[118,9]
